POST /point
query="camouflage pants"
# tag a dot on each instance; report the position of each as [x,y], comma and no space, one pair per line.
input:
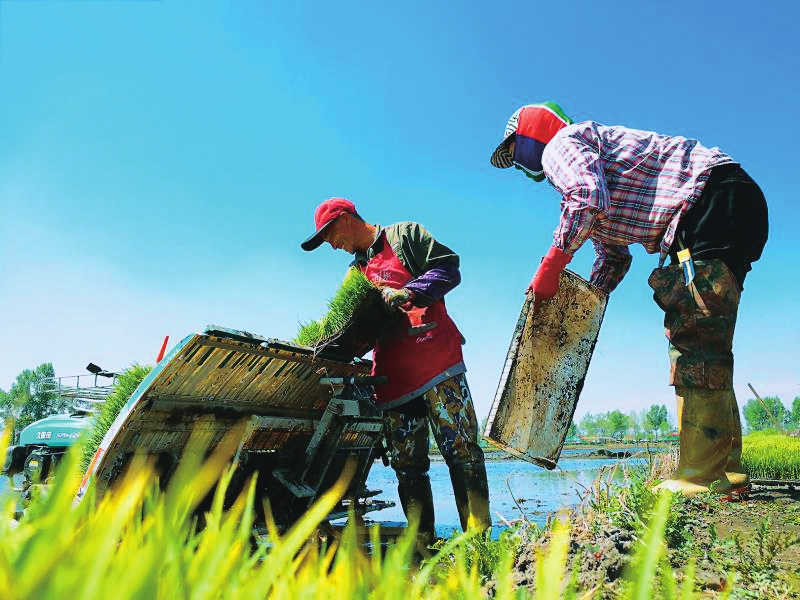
[699,321]
[449,410]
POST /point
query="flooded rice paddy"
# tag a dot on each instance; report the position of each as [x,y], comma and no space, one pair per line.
[517,489]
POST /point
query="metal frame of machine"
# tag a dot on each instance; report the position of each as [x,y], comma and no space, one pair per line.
[303,415]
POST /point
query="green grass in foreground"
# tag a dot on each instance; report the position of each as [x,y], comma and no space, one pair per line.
[353,292]
[771,455]
[139,542]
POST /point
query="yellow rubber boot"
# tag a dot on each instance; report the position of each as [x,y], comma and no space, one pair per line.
[471,490]
[734,471]
[706,426]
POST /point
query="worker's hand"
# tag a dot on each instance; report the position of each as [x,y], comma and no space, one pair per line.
[395,298]
[544,284]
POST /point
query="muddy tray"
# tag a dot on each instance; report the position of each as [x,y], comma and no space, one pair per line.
[544,372]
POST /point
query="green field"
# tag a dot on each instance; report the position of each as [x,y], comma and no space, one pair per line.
[771,455]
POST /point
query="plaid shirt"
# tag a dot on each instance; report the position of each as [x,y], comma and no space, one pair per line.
[623,186]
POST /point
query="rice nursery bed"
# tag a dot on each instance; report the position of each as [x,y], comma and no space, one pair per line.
[771,455]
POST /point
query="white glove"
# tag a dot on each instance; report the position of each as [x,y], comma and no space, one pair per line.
[395,298]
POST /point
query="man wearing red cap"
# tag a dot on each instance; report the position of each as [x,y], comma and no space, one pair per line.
[421,358]
[691,204]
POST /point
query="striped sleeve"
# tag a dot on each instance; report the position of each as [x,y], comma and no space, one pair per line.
[611,263]
[574,167]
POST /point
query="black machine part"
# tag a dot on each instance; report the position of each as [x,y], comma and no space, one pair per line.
[354,380]
[15,460]
[40,464]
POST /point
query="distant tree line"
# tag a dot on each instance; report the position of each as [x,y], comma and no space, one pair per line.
[771,413]
[650,424]
[25,403]
[655,422]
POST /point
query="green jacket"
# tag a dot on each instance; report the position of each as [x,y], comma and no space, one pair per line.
[414,246]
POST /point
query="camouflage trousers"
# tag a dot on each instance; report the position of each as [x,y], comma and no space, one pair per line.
[699,320]
[448,408]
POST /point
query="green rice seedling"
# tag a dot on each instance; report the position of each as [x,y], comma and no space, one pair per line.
[771,455]
[650,560]
[487,554]
[551,574]
[139,541]
[649,555]
[354,291]
[127,383]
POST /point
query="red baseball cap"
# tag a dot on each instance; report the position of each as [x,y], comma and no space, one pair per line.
[325,214]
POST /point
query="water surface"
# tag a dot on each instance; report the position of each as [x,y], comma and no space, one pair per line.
[537,491]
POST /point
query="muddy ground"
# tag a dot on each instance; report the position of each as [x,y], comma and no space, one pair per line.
[748,548]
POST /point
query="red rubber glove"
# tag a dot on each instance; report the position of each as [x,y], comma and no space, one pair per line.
[544,284]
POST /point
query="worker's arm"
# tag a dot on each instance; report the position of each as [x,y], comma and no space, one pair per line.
[574,167]
[611,263]
[434,284]
[433,266]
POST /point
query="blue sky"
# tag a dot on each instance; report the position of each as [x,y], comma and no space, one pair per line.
[160,163]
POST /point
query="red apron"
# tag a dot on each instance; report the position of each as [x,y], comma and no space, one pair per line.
[425,347]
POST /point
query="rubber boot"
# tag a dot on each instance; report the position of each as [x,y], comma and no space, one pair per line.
[705,444]
[416,499]
[471,491]
[734,471]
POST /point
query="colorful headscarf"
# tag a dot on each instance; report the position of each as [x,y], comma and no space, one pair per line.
[531,127]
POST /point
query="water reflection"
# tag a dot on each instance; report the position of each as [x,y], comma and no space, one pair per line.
[537,492]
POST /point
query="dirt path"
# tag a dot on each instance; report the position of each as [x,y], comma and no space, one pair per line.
[765,525]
